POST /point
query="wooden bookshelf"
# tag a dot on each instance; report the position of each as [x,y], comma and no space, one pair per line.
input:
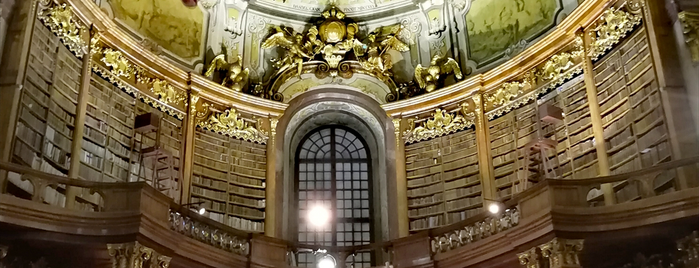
[443,180]
[229,177]
[634,125]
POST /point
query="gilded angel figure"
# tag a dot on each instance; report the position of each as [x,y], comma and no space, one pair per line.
[377,58]
[292,42]
[429,77]
[235,75]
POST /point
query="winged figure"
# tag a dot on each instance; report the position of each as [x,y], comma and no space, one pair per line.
[429,77]
[236,76]
[380,43]
[296,50]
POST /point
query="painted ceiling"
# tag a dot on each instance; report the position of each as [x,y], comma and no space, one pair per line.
[477,34]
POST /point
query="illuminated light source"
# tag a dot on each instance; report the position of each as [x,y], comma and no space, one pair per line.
[319,216]
[494,208]
[326,261]
[202,211]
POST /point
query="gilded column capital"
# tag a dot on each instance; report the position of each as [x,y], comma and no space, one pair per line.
[562,253]
[135,255]
[690,29]
[530,258]
[396,130]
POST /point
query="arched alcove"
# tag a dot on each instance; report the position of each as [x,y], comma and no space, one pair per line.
[338,106]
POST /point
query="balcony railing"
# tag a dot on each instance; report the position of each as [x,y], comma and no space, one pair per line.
[96,198]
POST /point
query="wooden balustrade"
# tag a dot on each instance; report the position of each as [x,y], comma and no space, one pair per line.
[446,244]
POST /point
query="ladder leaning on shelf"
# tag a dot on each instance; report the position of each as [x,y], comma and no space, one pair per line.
[540,155]
[156,159]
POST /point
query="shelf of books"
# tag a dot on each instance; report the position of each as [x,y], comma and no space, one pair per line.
[504,141]
[443,180]
[580,140]
[229,177]
[45,125]
[632,115]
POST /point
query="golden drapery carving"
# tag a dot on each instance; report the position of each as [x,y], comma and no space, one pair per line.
[441,123]
[611,27]
[135,255]
[229,123]
[690,29]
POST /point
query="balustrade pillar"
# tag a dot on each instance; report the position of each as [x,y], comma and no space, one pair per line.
[80,113]
[559,253]
[401,179]
[597,123]
[135,255]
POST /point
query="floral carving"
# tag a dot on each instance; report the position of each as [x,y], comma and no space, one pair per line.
[611,28]
[61,21]
[442,123]
[228,123]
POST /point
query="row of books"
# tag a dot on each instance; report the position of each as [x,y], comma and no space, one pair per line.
[454,217]
[438,208]
[217,184]
[424,180]
[458,192]
[438,197]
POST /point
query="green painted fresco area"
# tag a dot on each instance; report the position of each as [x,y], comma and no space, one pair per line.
[168,23]
[494,25]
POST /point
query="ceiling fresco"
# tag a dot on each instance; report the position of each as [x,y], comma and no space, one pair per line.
[495,26]
[475,35]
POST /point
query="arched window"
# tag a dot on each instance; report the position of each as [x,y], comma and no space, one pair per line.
[333,171]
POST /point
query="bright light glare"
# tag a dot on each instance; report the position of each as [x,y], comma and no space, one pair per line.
[494,208]
[202,211]
[318,216]
[326,262]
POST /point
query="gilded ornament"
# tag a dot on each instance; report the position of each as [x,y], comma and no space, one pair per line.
[135,255]
[235,76]
[611,28]
[562,252]
[428,78]
[377,59]
[120,66]
[293,42]
[555,67]
[441,123]
[228,123]
[62,22]
[690,29]
[166,92]
[530,258]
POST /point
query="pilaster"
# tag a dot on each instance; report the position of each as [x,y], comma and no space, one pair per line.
[401,179]
[80,113]
[189,125]
[596,118]
[271,182]
[485,160]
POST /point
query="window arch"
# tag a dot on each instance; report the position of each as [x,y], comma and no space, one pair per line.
[333,170]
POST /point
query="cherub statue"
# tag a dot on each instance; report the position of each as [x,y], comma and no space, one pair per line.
[296,50]
[428,77]
[235,75]
[378,44]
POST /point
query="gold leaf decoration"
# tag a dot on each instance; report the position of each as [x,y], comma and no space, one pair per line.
[441,123]
[556,66]
[611,28]
[120,66]
[229,123]
[61,21]
[166,93]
